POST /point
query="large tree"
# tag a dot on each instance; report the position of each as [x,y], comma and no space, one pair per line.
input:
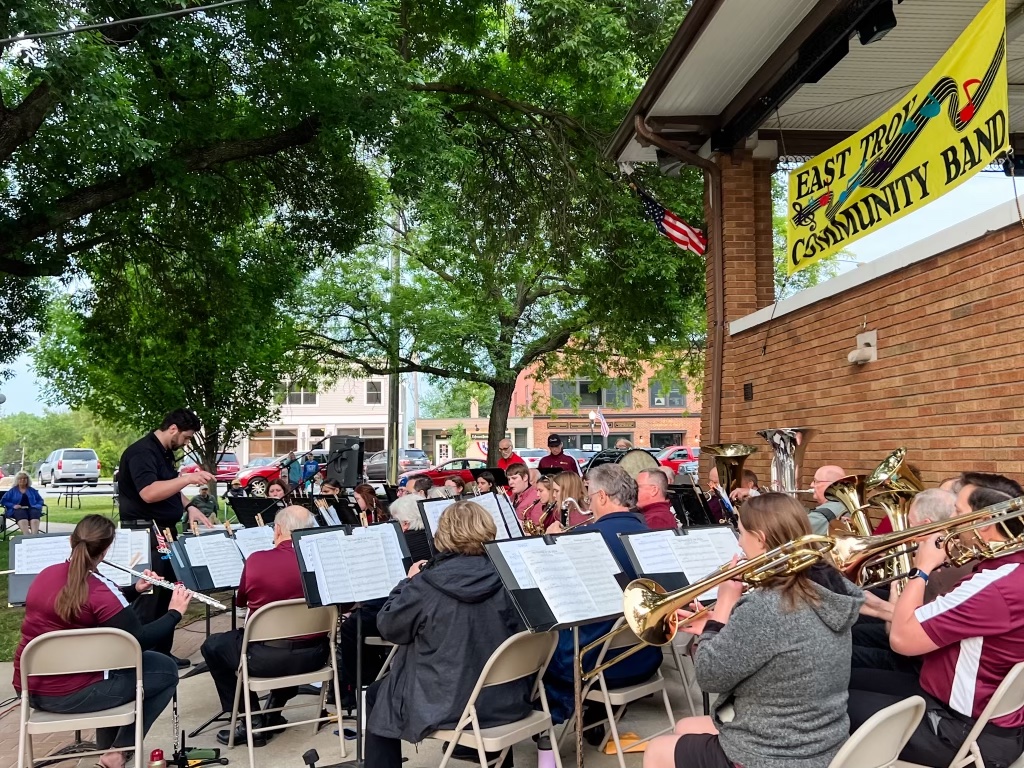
[517,239]
[204,325]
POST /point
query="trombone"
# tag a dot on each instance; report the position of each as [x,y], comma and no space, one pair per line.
[650,611]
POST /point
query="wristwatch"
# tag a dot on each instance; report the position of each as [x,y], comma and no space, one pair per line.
[915,573]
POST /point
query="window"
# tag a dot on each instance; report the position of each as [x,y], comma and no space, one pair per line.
[590,394]
[671,396]
[300,394]
[374,392]
[563,393]
[520,437]
[619,394]
[273,442]
[585,394]
[665,439]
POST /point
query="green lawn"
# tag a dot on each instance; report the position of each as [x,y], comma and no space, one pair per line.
[10,618]
[99,505]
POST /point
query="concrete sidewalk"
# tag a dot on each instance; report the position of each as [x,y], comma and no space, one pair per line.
[198,701]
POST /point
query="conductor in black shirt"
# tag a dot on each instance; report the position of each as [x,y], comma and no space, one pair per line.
[150,491]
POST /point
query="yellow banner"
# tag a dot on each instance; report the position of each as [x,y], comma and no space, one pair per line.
[949,127]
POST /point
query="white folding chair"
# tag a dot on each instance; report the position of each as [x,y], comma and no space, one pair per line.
[879,741]
[283,620]
[380,642]
[1008,697]
[522,655]
[616,699]
[679,649]
[72,651]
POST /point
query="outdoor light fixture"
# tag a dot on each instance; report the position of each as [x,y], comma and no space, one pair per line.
[877,23]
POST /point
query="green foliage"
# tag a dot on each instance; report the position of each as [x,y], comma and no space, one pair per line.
[450,399]
[204,326]
[459,439]
[516,238]
[66,429]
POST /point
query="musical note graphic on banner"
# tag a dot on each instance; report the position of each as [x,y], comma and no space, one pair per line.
[968,111]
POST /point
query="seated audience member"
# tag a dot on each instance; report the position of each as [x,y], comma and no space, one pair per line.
[277,489]
[236,489]
[613,502]
[368,503]
[455,485]
[267,577]
[571,497]
[827,509]
[447,618]
[23,504]
[524,494]
[871,650]
[968,639]
[72,595]
[652,498]
[748,487]
[777,657]
[485,482]
[204,502]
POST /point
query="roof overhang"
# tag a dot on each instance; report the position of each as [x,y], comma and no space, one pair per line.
[794,71]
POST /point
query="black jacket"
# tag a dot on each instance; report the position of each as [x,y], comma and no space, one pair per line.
[447,621]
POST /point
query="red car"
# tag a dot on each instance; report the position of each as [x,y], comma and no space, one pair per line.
[227,467]
[442,472]
[679,458]
[255,480]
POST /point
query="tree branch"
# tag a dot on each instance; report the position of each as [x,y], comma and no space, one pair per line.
[405,364]
[16,233]
[498,98]
[19,124]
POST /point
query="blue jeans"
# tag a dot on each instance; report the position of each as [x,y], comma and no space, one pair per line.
[159,681]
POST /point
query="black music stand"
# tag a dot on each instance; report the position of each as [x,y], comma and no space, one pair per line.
[689,504]
[500,478]
[314,600]
[246,508]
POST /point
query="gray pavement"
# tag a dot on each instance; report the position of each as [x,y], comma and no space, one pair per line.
[198,701]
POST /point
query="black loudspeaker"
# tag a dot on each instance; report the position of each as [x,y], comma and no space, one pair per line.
[345,460]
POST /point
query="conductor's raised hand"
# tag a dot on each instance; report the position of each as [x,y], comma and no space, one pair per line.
[201,477]
[180,599]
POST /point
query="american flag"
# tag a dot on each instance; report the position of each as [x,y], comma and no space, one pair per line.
[605,431]
[672,227]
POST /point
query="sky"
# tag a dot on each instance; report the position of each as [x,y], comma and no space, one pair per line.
[984,191]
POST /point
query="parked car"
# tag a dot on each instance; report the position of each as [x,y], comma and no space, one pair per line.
[70,465]
[531,456]
[582,457]
[260,461]
[679,458]
[409,460]
[227,467]
[255,480]
[442,472]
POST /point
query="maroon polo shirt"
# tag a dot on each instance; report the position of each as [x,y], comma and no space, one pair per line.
[659,516]
[270,576]
[562,461]
[104,602]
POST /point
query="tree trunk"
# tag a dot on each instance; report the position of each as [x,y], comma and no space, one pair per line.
[503,391]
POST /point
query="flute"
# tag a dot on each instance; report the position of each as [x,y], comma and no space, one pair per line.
[167,585]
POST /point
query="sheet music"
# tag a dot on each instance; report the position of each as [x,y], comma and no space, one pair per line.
[589,554]
[331,576]
[311,560]
[559,582]
[388,537]
[362,557]
[194,550]
[654,552]
[512,550]
[250,540]
[223,559]
[508,513]
[129,545]
[434,508]
[698,558]
[32,554]
[724,541]
[489,501]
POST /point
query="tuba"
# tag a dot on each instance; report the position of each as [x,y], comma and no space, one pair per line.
[849,491]
[788,444]
[729,460]
[895,485]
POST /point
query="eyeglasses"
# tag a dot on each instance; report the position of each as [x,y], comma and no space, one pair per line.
[506,449]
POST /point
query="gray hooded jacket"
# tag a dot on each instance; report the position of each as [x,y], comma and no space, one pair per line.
[785,673]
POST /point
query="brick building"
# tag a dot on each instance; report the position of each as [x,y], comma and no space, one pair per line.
[729,96]
[645,412]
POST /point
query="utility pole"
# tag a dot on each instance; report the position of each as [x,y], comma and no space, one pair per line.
[393,380]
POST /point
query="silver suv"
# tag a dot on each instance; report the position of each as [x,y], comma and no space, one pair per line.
[70,465]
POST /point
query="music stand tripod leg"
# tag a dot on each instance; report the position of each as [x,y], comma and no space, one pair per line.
[358,762]
[180,758]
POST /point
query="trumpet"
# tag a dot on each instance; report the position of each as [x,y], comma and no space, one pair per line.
[650,611]
[858,556]
[198,596]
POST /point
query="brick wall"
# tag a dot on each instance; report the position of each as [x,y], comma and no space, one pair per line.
[948,384]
